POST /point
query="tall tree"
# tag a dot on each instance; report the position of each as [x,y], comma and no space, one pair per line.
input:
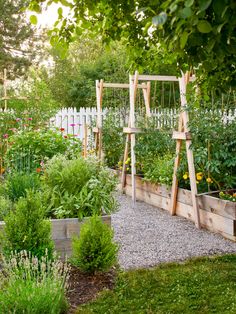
[16,37]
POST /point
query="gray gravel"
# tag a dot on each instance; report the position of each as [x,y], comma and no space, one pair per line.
[148,236]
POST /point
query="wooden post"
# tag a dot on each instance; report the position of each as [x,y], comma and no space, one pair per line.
[133,93]
[183,124]
[98,135]
[147,95]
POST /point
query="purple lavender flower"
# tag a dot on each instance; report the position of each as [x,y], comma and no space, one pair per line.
[72,124]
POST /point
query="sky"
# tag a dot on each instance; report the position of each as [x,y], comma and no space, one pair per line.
[49,16]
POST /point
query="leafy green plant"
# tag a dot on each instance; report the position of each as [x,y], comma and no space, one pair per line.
[77,188]
[26,227]
[228,196]
[161,170]
[6,206]
[94,250]
[96,195]
[112,139]
[17,184]
[152,144]
[29,150]
[214,149]
[33,286]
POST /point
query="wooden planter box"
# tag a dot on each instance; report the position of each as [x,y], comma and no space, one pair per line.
[63,231]
[216,215]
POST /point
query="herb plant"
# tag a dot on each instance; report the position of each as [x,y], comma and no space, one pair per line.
[33,286]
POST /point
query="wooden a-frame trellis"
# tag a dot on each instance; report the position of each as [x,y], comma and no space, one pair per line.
[5,98]
[180,135]
[100,85]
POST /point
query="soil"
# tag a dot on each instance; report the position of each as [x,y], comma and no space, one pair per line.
[85,287]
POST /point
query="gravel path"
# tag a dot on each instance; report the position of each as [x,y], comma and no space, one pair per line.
[148,236]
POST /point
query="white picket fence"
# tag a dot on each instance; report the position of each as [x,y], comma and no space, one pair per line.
[73,121]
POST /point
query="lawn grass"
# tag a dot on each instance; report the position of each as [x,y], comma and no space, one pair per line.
[203,285]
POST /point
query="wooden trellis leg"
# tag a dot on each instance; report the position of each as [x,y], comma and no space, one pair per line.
[126,154]
[179,136]
[98,129]
[174,190]
[133,92]
[147,95]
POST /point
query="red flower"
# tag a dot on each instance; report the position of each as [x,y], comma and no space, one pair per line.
[62,129]
[65,136]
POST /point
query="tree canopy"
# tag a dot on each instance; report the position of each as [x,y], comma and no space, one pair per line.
[200,33]
[15,37]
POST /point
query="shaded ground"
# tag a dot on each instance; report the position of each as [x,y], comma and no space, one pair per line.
[85,287]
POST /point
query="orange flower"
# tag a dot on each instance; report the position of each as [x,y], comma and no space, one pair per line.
[38,170]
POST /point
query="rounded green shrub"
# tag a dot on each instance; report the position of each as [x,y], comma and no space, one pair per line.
[94,250]
[26,229]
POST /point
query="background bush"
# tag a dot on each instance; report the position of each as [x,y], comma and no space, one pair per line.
[28,150]
[94,250]
[77,188]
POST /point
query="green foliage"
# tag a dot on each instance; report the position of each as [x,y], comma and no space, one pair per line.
[152,144]
[5,207]
[78,188]
[228,196]
[161,170]
[16,38]
[72,81]
[214,149]
[94,250]
[17,184]
[26,228]
[30,149]
[96,196]
[112,139]
[33,286]
[205,285]
[197,33]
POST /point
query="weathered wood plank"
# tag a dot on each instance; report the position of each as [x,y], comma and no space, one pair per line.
[132,130]
[181,135]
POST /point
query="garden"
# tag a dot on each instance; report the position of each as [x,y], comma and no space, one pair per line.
[71,238]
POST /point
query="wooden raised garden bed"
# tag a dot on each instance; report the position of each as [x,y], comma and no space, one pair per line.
[216,215]
[63,231]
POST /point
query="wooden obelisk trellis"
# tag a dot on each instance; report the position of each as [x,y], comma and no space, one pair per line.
[100,85]
[5,98]
[184,134]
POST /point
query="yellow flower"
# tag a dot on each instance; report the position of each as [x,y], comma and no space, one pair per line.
[185,176]
[120,163]
[199,176]
[209,180]
[197,182]
[127,169]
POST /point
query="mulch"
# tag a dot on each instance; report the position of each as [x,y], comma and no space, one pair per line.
[85,287]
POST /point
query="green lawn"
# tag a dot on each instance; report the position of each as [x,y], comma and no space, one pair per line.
[204,285]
